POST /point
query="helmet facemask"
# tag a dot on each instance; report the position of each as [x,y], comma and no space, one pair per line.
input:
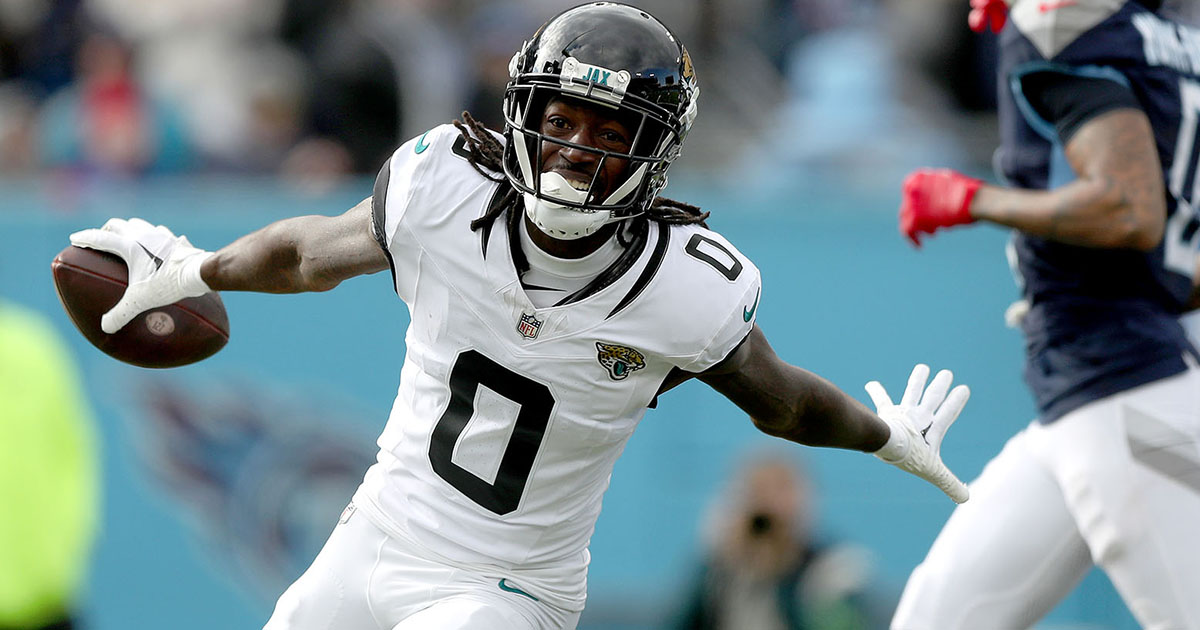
[652,93]
[636,185]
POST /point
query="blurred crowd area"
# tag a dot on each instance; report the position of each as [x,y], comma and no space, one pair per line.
[314,90]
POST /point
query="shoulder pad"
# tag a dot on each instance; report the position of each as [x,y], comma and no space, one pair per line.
[1052,25]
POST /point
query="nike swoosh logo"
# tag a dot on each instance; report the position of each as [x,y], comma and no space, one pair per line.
[421,144]
[1046,7]
[157,261]
[512,589]
[747,313]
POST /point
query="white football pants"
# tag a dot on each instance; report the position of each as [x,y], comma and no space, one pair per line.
[1115,483]
[1191,323]
[364,579]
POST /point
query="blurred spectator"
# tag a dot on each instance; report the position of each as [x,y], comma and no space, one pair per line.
[242,94]
[945,73]
[38,42]
[18,112]
[48,476]
[106,122]
[356,102]
[496,30]
[766,571]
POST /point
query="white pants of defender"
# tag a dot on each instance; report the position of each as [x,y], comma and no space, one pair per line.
[1115,483]
[364,579]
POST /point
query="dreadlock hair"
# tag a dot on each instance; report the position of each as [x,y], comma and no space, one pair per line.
[486,156]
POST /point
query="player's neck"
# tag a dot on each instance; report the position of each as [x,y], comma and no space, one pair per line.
[566,268]
[577,248]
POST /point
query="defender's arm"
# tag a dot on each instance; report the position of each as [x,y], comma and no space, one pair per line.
[1117,201]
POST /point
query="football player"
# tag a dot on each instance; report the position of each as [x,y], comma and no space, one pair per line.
[553,296]
[1098,120]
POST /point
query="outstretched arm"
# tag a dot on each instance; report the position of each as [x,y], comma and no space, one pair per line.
[310,253]
[792,403]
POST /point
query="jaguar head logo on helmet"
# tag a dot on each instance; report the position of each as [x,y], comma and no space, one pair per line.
[601,60]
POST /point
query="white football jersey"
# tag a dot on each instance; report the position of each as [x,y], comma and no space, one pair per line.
[509,417]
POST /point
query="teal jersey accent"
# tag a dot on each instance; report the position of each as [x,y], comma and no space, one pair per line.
[512,589]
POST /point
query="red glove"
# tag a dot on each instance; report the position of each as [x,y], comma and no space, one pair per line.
[935,198]
[985,12]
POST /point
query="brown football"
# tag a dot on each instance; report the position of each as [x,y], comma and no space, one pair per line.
[90,282]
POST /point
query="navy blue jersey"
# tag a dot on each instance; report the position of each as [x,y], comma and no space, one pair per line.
[1102,320]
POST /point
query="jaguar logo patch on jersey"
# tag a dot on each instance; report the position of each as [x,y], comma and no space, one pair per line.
[619,360]
[529,326]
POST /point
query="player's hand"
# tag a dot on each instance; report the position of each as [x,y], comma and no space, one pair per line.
[163,268]
[985,13]
[918,425]
[935,198]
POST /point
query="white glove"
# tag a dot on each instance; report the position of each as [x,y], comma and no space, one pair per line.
[163,268]
[918,425]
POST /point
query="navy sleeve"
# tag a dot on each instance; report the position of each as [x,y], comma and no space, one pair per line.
[1069,101]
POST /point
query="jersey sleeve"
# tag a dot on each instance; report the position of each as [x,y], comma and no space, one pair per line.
[731,333]
[725,298]
[411,193]
[1068,101]
[395,187]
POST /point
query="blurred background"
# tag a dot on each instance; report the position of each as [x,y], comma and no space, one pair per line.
[201,492]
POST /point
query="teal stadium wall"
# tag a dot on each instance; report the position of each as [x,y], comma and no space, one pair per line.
[221,479]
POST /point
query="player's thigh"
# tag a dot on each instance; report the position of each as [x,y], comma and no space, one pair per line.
[1004,558]
[332,593]
[482,612]
[1130,468]
[1129,463]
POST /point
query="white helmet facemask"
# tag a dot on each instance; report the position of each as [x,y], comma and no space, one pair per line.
[562,221]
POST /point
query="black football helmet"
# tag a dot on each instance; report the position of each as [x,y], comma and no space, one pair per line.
[615,56]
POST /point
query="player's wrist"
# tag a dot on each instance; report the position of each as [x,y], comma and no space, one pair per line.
[191,281]
[970,190]
[899,443]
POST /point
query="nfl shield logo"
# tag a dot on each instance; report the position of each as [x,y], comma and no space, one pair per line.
[529,326]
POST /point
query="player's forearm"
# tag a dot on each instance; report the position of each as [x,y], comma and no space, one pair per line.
[312,253]
[1117,200]
[1094,212]
[814,412]
[269,260]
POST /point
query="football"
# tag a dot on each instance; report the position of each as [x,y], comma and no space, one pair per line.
[90,282]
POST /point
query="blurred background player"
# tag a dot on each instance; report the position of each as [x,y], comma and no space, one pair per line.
[553,297]
[766,569]
[1098,134]
[49,476]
